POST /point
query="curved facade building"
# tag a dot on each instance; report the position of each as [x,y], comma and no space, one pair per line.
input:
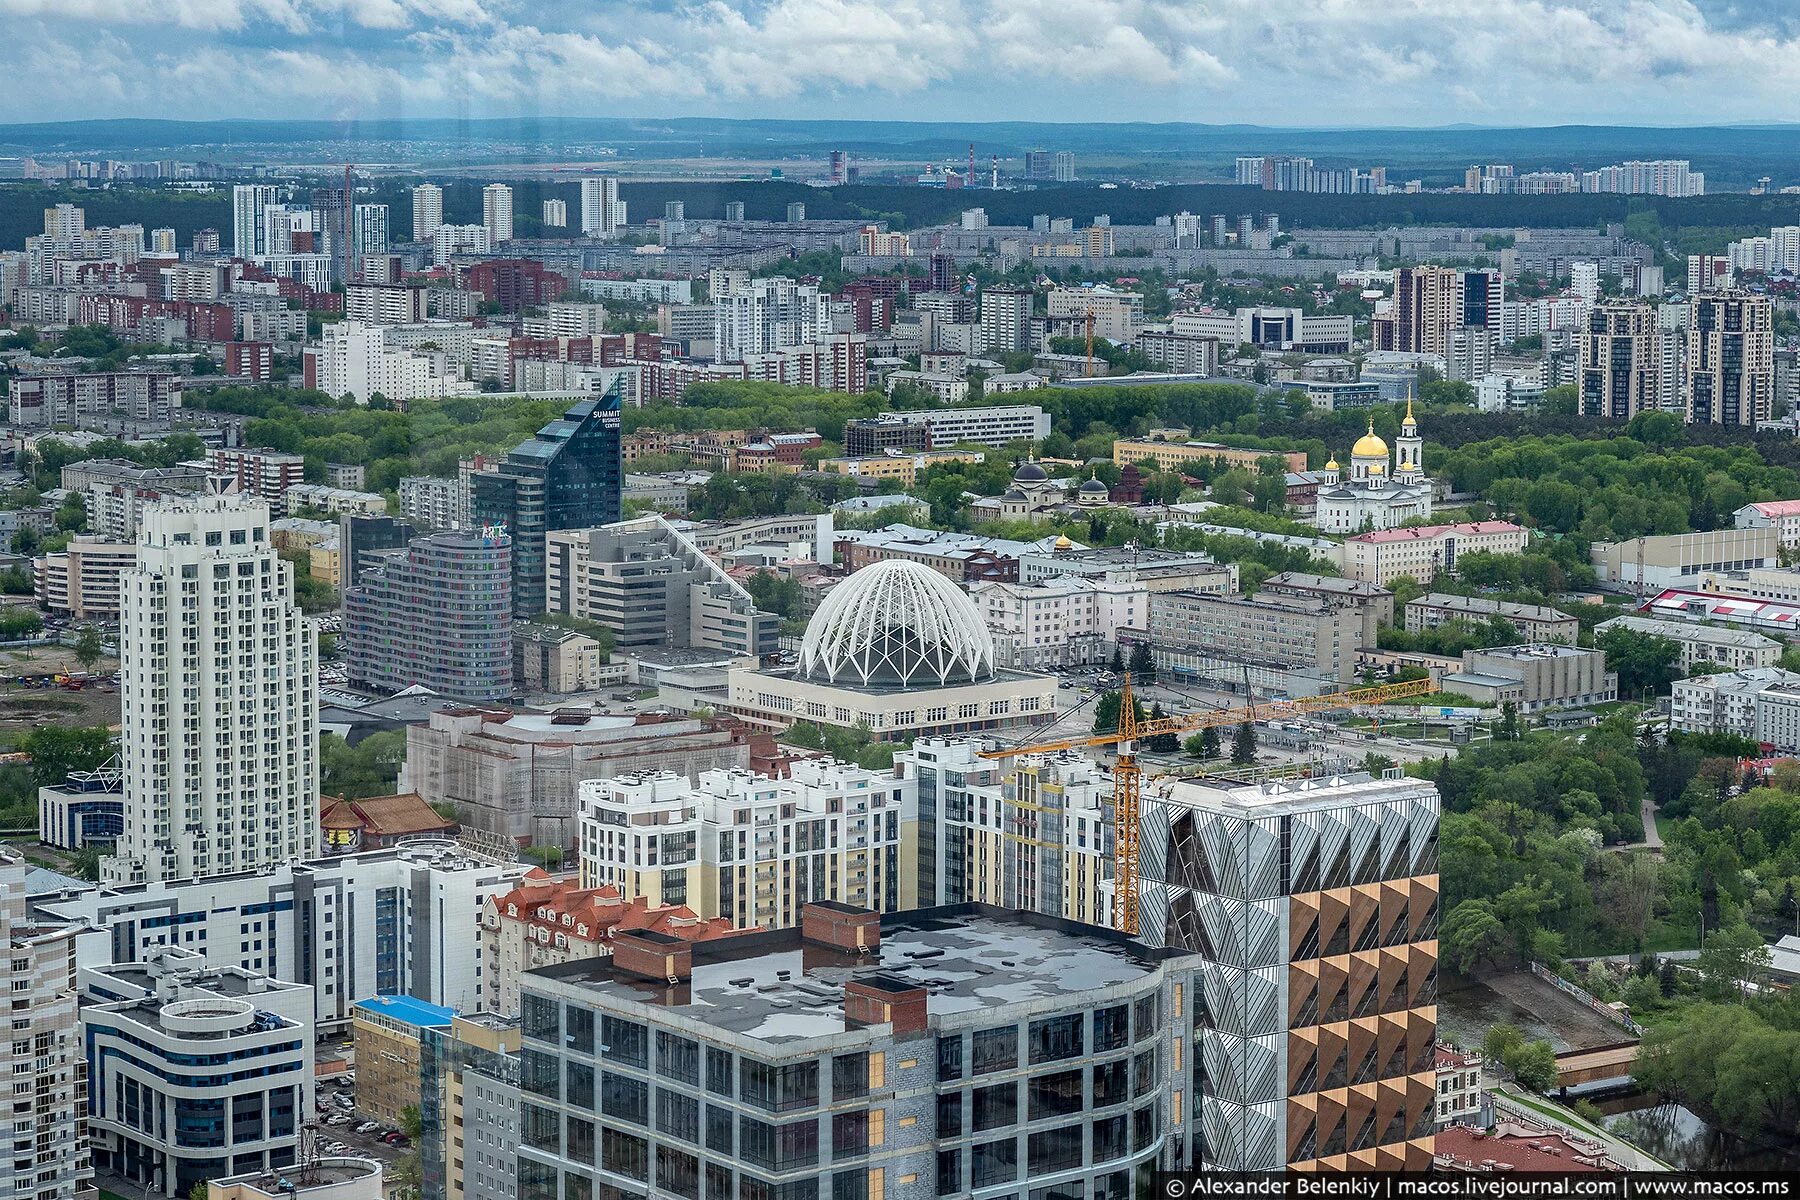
[438,616]
[901,624]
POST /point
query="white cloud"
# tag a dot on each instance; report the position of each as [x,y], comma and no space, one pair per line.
[1269,61]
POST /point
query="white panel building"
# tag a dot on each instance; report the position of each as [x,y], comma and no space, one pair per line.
[219,695]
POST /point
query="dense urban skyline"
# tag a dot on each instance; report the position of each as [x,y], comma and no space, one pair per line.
[1286,62]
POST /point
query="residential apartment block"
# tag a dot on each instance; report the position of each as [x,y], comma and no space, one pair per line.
[1424,552]
[1296,644]
[438,615]
[1534,622]
[1732,649]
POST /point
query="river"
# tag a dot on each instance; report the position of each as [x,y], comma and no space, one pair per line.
[1686,1141]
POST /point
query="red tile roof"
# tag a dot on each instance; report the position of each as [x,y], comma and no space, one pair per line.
[595,914]
[1778,508]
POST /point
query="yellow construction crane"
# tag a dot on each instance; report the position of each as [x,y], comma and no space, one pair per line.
[1128,776]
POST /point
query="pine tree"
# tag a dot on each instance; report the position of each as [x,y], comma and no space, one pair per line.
[1118,661]
[1161,743]
[1209,742]
[1143,667]
[1243,745]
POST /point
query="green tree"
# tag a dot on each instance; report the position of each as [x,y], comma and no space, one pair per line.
[1161,743]
[1143,665]
[1644,662]
[1243,745]
[1734,958]
[1471,935]
[88,647]
[1106,711]
[57,750]
[1534,1065]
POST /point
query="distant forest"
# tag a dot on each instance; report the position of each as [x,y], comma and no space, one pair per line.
[22,205]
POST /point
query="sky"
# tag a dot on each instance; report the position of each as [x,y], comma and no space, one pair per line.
[1265,62]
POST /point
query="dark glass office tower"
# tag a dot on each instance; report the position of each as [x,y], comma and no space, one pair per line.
[567,477]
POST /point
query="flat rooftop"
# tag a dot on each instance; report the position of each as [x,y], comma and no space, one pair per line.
[777,988]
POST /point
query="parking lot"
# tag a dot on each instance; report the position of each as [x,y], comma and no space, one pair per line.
[343,1130]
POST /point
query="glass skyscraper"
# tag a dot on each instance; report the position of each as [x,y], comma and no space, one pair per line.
[569,476]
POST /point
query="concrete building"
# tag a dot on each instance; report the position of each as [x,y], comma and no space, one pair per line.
[1282,330]
[1372,603]
[1174,455]
[1783,516]
[219,694]
[48,1158]
[363,360]
[545,921]
[438,615]
[1621,361]
[652,586]
[51,401]
[1152,569]
[569,476]
[899,649]
[156,1121]
[469,1108]
[406,921]
[602,212]
[1314,907]
[497,212]
[1534,676]
[548,658]
[1006,320]
[427,211]
[336,501]
[1728,373]
[1458,1086]
[885,1080]
[514,774]
[1298,645]
[83,580]
[925,429]
[763,316]
[1059,622]
[324,1177]
[86,808]
[1678,560]
[1733,703]
[387,1032]
[1732,649]
[1534,622]
[1424,552]
[264,474]
[430,502]
[753,851]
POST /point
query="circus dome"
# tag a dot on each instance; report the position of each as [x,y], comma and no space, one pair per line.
[897,624]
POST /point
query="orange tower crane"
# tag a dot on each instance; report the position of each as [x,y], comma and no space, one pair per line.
[1128,776]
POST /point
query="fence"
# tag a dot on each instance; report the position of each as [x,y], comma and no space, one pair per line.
[1599,1006]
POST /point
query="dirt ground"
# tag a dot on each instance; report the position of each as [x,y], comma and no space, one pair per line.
[23,709]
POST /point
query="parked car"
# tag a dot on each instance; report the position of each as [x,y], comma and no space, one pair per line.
[396,1138]
[367,1127]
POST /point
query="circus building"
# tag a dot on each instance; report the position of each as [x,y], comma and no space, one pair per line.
[901,650]
[1381,491]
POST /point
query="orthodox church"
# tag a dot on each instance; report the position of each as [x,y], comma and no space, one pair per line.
[1380,492]
[1033,494]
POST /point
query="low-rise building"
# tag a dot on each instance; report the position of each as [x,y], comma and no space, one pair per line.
[1783,516]
[1685,559]
[546,921]
[324,1177]
[387,1032]
[1059,622]
[1152,569]
[83,580]
[378,822]
[1458,1095]
[1732,649]
[87,808]
[1534,676]
[1732,703]
[900,466]
[549,658]
[155,1120]
[1174,455]
[1296,645]
[1371,602]
[336,500]
[1426,551]
[1534,622]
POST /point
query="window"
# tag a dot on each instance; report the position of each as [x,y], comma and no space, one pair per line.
[578,1033]
[539,1128]
[538,1018]
[677,1058]
[1147,1017]
[950,1058]
[995,1162]
[1111,1028]
[850,1133]
[718,1071]
[996,1050]
[677,1114]
[719,1122]
[1110,1083]
[850,1077]
[778,1147]
[1056,1038]
[580,1090]
[537,1073]
[1143,1073]
[677,1172]
[624,1154]
[1054,1150]
[994,1107]
[625,1099]
[949,1172]
[1109,1139]
[580,1145]
[779,1089]
[850,1185]
[950,1115]
[1055,1095]
[624,1042]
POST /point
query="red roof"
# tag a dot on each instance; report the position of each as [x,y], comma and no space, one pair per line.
[1778,508]
[1422,532]
[1518,1147]
[595,914]
[1450,1056]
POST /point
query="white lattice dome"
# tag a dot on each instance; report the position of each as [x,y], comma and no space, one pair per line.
[897,624]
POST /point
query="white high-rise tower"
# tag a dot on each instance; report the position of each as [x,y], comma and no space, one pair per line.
[602,211]
[428,211]
[248,228]
[497,212]
[219,696]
